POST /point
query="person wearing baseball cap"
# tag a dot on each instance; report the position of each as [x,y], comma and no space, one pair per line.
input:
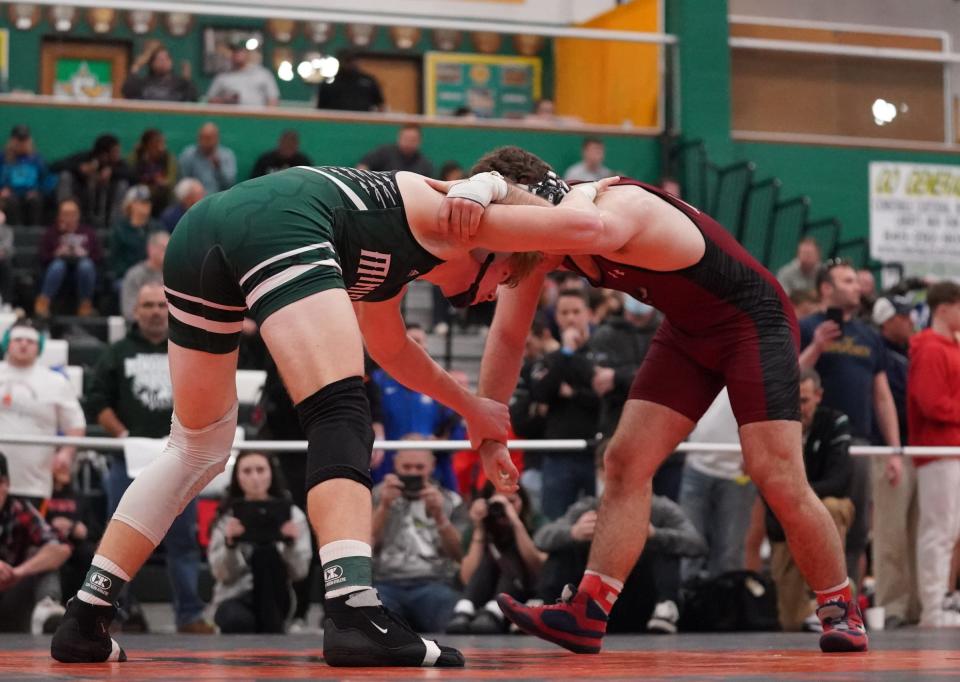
[246,83]
[895,507]
[24,179]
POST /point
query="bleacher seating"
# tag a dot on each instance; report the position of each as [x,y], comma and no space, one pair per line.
[55,353]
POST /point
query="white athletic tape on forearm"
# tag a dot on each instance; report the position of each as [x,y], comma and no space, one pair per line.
[482,188]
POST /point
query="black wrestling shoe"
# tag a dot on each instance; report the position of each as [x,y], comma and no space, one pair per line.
[359,632]
[84,635]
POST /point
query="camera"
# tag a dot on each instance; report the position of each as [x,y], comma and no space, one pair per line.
[497,525]
[412,485]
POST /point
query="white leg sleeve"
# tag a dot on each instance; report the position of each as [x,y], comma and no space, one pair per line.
[191,459]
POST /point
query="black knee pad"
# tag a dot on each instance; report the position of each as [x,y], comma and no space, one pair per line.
[336,420]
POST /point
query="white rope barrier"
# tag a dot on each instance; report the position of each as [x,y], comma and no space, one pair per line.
[565,445]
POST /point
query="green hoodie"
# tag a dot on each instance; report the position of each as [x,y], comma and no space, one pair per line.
[133,377]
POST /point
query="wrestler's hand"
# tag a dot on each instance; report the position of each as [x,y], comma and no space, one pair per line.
[458,217]
[586,193]
[606,183]
[498,466]
[486,420]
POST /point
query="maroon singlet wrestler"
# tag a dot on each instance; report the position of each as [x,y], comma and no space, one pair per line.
[727,323]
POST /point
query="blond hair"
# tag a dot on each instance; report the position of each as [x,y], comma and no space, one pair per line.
[522,265]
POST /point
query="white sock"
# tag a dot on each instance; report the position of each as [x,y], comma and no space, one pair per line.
[103,562]
[842,586]
[344,552]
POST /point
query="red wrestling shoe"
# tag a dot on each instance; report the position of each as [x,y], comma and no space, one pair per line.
[843,630]
[576,622]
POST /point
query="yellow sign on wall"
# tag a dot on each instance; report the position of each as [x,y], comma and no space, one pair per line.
[489,86]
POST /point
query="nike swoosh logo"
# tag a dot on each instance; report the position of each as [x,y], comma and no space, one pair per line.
[383,630]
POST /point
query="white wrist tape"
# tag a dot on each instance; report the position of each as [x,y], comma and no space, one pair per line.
[482,188]
[587,188]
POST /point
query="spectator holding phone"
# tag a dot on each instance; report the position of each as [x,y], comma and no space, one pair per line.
[416,542]
[69,250]
[500,557]
[259,546]
[851,359]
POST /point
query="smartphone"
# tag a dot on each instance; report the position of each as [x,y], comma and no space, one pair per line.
[835,315]
[412,485]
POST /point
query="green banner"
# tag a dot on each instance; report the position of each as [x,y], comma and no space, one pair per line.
[83,79]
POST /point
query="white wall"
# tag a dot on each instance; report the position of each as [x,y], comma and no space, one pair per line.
[534,11]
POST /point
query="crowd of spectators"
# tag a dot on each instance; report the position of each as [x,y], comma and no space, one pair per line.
[444,543]
[246,82]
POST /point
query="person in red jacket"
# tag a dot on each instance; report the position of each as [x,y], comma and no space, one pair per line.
[933,414]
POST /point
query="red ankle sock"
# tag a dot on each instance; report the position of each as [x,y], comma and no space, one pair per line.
[602,589]
[840,592]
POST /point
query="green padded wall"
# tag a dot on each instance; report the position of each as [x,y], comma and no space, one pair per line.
[59,131]
[835,178]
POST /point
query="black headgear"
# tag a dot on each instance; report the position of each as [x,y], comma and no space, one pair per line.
[552,188]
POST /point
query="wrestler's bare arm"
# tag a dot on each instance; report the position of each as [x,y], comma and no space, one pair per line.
[385,336]
[651,233]
[503,350]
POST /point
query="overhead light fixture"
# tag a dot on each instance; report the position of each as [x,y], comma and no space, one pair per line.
[361,35]
[527,45]
[446,39]
[285,71]
[486,42]
[178,23]
[281,29]
[24,16]
[883,112]
[141,21]
[318,32]
[63,17]
[316,67]
[101,19]
[404,37]
[252,44]
[283,63]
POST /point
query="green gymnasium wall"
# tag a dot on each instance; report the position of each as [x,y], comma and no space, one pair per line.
[61,130]
[835,178]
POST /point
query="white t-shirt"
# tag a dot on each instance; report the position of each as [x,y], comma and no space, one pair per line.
[579,172]
[253,85]
[35,401]
[718,425]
